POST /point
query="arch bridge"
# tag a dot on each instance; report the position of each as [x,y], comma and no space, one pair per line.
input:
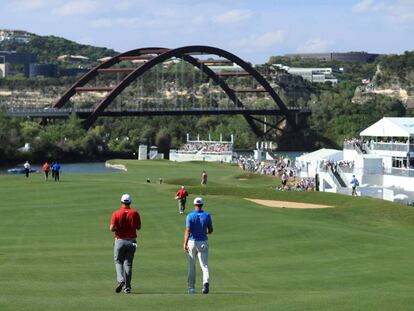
[149,58]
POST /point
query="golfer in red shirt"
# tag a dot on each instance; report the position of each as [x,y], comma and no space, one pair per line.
[125,222]
[181,197]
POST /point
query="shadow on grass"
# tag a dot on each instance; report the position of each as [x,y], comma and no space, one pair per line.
[172,293]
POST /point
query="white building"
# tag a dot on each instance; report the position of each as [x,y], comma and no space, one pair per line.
[382,160]
[225,68]
[316,75]
[3,67]
[72,58]
[204,150]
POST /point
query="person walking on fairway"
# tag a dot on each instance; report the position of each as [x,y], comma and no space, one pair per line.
[125,222]
[26,166]
[204,178]
[46,170]
[198,225]
[354,184]
[56,171]
[181,197]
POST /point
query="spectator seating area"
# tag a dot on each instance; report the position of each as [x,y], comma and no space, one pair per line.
[206,147]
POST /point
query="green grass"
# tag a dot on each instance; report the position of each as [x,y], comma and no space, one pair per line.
[56,249]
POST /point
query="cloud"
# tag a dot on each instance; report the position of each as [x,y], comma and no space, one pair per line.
[102,23]
[401,13]
[127,22]
[363,6]
[314,45]
[397,12]
[233,17]
[165,13]
[260,42]
[269,39]
[123,5]
[369,6]
[27,5]
[76,7]
[198,20]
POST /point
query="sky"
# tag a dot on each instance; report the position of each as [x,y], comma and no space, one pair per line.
[254,30]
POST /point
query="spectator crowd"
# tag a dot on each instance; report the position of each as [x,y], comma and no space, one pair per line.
[282,168]
[206,147]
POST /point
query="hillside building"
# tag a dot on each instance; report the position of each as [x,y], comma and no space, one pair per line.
[3,67]
[17,58]
[315,75]
[42,70]
[73,58]
[353,57]
[15,35]
[74,71]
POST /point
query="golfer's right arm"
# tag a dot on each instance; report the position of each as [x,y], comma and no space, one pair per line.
[186,236]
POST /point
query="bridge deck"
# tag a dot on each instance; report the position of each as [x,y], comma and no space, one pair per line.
[84,113]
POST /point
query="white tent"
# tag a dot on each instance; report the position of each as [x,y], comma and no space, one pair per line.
[321,154]
[391,127]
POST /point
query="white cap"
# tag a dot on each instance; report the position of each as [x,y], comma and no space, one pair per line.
[198,201]
[182,187]
[126,198]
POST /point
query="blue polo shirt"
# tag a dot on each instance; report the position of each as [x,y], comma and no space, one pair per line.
[198,222]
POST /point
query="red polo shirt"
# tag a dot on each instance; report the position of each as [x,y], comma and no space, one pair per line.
[182,193]
[126,221]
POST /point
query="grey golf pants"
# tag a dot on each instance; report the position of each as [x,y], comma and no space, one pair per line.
[181,205]
[124,251]
[197,249]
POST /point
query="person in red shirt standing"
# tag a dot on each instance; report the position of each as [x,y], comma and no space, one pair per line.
[125,222]
[181,197]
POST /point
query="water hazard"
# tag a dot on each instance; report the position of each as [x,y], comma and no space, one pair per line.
[69,168]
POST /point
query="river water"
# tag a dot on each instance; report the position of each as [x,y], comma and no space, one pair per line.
[68,168]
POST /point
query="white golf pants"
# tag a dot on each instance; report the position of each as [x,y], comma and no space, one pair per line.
[197,249]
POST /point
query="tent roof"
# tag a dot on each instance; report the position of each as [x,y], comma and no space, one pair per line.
[391,127]
[321,154]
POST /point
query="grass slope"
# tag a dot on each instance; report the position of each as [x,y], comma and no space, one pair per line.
[56,250]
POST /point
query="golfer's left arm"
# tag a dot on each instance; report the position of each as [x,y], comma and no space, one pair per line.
[138,222]
[210,226]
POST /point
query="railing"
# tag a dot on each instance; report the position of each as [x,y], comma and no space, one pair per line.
[341,173]
[404,147]
[216,152]
[360,148]
[399,172]
[345,169]
[333,177]
[386,171]
[147,111]
[392,146]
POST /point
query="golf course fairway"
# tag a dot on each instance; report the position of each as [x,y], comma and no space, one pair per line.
[56,250]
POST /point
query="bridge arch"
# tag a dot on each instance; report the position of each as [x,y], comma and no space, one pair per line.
[163,54]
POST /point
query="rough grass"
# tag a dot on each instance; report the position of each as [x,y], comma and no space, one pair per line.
[56,250]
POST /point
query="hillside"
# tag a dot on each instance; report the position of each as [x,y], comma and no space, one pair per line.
[48,48]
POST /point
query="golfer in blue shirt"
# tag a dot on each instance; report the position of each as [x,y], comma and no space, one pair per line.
[198,225]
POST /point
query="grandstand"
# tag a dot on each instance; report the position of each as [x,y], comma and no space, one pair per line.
[204,150]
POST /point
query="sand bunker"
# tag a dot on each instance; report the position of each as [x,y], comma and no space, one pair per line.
[242,179]
[287,204]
